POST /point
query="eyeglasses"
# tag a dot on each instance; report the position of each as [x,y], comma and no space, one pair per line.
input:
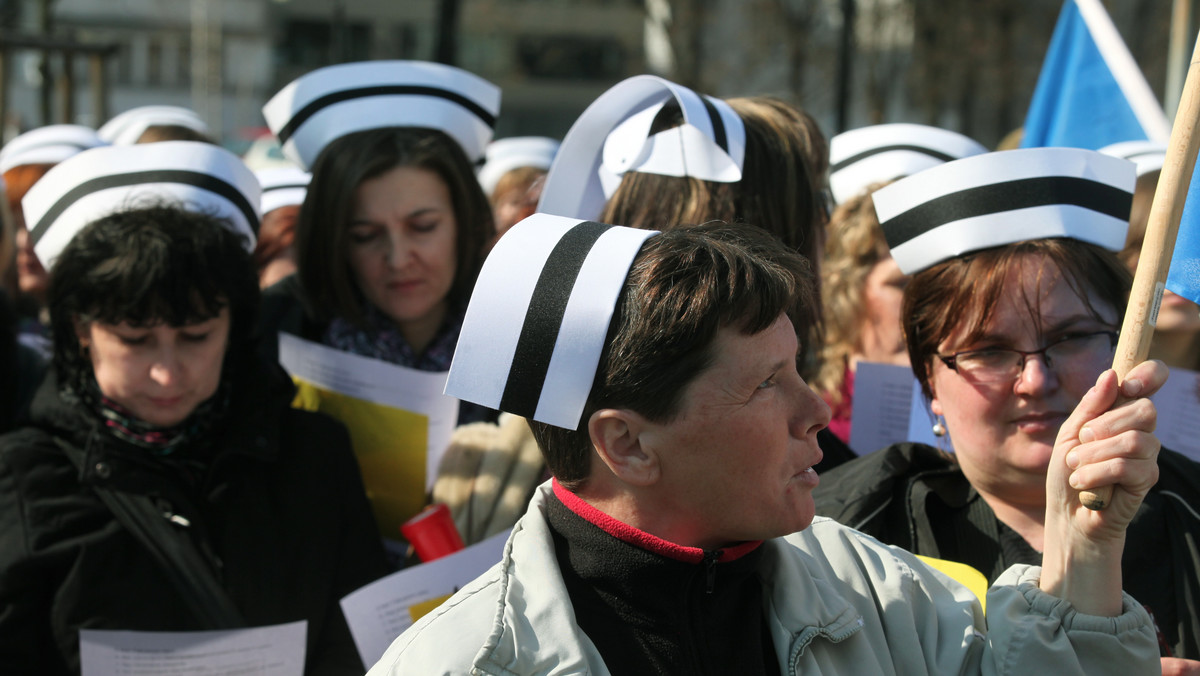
[1086,351]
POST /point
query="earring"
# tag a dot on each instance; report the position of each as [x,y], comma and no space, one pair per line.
[939,430]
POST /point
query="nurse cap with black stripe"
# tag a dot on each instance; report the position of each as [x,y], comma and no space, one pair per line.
[329,103]
[538,318]
[1006,197]
[282,187]
[125,129]
[613,137]
[1147,155]
[98,182]
[48,145]
[861,157]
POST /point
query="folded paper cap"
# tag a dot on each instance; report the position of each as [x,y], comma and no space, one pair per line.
[98,182]
[125,129]
[538,318]
[282,187]
[48,145]
[329,103]
[1147,155]
[506,154]
[613,137]
[1005,197]
[861,157]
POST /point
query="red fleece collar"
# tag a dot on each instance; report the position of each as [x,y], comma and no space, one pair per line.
[642,539]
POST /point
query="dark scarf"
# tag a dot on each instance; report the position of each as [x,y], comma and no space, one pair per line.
[380,339]
[122,424]
[654,607]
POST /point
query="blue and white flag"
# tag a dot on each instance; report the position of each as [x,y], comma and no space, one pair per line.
[1091,94]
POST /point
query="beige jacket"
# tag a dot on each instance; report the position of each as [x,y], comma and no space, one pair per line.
[839,602]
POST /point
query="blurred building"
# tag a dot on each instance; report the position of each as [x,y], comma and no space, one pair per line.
[225,58]
[968,65]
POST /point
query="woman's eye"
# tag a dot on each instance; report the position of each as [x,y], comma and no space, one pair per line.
[196,337]
[769,382]
[133,341]
[363,235]
[425,226]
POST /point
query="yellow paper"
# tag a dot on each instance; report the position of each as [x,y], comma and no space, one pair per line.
[969,577]
[390,445]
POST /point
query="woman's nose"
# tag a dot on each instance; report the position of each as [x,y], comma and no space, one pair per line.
[165,369]
[1035,374]
[810,414]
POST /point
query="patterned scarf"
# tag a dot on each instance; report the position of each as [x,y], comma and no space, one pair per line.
[382,340]
[121,423]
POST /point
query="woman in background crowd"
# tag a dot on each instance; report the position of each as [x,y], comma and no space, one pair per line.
[20,365]
[513,174]
[861,286]
[283,191]
[390,238]
[23,162]
[150,124]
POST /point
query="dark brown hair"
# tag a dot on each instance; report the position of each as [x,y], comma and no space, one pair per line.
[150,264]
[964,291]
[684,286]
[322,231]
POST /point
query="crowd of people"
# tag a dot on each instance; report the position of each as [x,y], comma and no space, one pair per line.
[651,329]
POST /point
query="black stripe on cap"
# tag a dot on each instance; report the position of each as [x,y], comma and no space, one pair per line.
[887,149]
[289,186]
[718,124]
[1008,196]
[200,180]
[544,317]
[327,100]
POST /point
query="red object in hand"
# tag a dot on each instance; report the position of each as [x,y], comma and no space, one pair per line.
[432,533]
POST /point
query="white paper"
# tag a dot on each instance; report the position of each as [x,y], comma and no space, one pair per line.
[1178,404]
[382,610]
[379,382]
[263,651]
[889,408]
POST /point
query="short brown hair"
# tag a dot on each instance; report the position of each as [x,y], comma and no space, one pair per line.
[683,287]
[171,132]
[965,291]
[782,189]
[322,230]
[854,243]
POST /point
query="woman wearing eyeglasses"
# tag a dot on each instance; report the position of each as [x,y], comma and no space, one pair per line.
[1010,318]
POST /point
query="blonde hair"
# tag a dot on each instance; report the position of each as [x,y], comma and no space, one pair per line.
[854,243]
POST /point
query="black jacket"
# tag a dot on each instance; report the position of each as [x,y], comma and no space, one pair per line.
[275,502]
[915,497]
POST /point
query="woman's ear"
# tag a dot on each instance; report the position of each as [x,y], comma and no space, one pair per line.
[616,436]
[83,333]
[935,404]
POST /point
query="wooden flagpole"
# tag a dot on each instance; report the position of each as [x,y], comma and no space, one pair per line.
[1165,211]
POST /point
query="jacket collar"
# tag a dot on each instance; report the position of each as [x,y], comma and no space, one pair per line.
[535,631]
